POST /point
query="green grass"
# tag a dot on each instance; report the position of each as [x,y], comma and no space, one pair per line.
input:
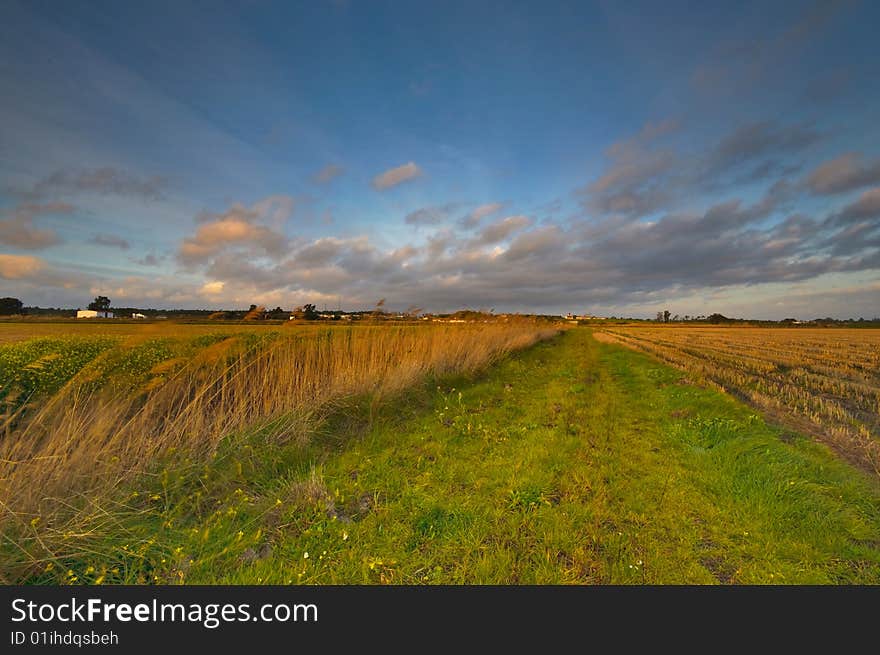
[571,462]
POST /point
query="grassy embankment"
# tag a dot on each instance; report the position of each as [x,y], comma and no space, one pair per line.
[572,462]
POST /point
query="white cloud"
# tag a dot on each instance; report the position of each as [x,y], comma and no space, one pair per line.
[479,213]
[239,226]
[502,229]
[16,267]
[213,288]
[18,229]
[431,215]
[395,176]
[866,207]
[844,173]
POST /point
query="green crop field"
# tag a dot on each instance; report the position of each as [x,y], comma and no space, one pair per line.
[422,455]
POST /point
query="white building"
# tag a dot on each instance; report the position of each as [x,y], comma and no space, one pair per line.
[136,315]
[91,313]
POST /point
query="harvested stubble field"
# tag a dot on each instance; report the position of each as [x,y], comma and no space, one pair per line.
[822,381]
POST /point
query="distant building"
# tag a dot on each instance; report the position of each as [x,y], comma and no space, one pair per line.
[92,313]
[136,315]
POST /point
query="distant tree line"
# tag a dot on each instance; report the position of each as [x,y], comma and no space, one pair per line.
[721,319]
[308,312]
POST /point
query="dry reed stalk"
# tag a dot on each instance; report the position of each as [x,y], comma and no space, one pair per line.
[86,439]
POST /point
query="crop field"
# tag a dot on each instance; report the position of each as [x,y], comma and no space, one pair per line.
[823,381]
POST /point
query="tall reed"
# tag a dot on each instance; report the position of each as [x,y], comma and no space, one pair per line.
[86,438]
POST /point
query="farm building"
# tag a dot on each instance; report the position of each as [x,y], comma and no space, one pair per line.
[136,315]
[91,313]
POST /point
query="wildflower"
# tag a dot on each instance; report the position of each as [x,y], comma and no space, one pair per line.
[306,555]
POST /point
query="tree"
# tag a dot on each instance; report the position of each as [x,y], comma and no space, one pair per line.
[305,313]
[666,316]
[659,317]
[101,304]
[276,313]
[10,306]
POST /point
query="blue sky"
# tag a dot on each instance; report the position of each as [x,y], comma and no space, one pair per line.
[608,158]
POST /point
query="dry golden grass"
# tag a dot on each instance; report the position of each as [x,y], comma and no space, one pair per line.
[89,436]
[824,380]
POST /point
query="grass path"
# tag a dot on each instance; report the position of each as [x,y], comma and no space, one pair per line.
[571,462]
